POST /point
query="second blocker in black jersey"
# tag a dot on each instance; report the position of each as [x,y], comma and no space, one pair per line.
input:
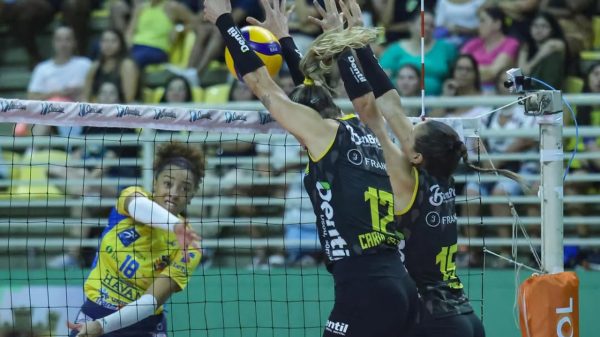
[430,227]
[351,195]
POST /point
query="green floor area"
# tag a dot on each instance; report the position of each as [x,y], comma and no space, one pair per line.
[295,302]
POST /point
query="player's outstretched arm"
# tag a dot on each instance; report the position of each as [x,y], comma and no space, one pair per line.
[276,21]
[303,122]
[356,85]
[387,100]
[387,97]
[148,212]
[159,292]
[399,169]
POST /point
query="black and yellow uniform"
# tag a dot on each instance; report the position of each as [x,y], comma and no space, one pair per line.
[430,227]
[351,196]
[131,255]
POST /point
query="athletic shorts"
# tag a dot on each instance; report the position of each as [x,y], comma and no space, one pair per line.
[153,326]
[372,305]
[465,325]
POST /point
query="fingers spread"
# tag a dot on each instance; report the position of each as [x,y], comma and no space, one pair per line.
[279,5]
[291,10]
[315,20]
[253,21]
[344,8]
[265,5]
[355,8]
[330,5]
[320,9]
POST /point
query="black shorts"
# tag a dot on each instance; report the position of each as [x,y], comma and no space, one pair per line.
[465,325]
[368,304]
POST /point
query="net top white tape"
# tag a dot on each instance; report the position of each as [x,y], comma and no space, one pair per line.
[135,116]
[163,117]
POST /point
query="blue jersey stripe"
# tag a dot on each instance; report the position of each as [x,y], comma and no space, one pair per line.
[113,219]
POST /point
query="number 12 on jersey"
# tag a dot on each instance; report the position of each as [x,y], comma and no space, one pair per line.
[376,198]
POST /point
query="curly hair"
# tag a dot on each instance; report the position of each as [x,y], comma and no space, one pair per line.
[174,151]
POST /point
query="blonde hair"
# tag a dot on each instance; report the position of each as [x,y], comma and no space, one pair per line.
[319,59]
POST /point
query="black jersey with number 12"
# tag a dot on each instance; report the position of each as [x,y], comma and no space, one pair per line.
[351,194]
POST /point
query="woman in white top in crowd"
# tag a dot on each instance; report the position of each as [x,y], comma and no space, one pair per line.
[456,20]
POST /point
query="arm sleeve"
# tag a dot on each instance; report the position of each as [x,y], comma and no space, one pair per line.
[292,57]
[129,191]
[376,76]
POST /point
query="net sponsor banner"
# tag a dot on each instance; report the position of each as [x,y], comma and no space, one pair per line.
[161,117]
[135,116]
[42,309]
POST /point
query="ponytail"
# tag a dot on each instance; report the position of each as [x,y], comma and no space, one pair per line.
[506,173]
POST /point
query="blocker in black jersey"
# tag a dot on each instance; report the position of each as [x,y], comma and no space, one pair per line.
[351,195]
[431,243]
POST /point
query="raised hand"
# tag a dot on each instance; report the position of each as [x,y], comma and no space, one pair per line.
[331,18]
[186,236]
[276,20]
[215,8]
[352,13]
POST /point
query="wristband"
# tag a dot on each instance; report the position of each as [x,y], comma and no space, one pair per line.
[244,58]
[354,81]
[379,80]
[292,57]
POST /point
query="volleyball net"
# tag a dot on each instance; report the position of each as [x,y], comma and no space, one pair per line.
[63,165]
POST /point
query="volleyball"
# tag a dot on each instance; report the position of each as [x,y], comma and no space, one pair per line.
[264,44]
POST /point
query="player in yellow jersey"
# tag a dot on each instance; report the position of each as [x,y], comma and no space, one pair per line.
[147,252]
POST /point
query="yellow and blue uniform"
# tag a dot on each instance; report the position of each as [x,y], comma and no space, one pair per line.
[130,257]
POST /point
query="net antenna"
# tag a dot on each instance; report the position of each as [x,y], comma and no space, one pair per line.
[548,105]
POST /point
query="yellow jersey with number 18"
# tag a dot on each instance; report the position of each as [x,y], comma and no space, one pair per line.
[132,255]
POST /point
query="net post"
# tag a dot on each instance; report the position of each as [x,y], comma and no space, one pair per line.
[549,103]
